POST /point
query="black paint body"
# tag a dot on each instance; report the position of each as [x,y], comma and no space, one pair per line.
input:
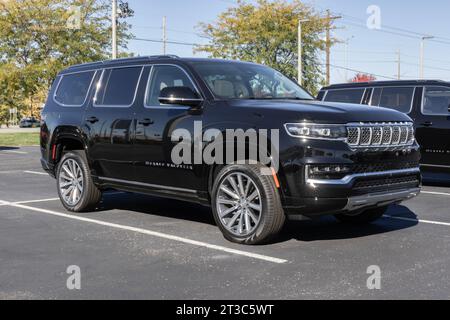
[121,145]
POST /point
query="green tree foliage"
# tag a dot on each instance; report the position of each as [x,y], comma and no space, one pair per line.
[267,33]
[38,38]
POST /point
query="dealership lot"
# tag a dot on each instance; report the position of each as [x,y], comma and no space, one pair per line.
[139,247]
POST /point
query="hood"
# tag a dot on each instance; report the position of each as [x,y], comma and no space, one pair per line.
[321,112]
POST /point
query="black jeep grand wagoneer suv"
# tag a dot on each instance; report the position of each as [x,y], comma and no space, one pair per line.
[110,125]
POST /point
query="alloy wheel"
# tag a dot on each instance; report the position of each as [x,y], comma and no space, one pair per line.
[71,182]
[239,204]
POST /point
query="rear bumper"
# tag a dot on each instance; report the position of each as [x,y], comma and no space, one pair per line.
[48,167]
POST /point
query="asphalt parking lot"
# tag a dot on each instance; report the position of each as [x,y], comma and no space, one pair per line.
[139,247]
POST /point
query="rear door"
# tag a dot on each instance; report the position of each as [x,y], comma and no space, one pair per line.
[433,127]
[109,123]
[396,98]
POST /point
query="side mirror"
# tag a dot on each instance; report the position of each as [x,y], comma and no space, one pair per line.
[180,96]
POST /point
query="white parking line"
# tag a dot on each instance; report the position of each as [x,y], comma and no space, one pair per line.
[37,173]
[418,220]
[436,193]
[36,201]
[14,151]
[150,233]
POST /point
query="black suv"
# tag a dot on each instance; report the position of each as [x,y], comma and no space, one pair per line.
[427,102]
[117,124]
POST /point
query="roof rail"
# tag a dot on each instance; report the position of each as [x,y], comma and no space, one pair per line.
[164,56]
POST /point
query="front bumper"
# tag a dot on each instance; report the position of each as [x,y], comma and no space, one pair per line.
[380,199]
[355,192]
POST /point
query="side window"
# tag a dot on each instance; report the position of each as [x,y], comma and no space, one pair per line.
[397,98]
[118,86]
[163,77]
[345,95]
[73,88]
[376,97]
[436,101]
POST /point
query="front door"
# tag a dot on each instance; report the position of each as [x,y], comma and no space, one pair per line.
[109,120]
[433,127]
[155,124]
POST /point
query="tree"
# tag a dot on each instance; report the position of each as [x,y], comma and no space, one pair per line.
[267,33]
[39,38]
[363,77]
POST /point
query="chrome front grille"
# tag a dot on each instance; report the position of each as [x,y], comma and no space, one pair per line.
[385,135]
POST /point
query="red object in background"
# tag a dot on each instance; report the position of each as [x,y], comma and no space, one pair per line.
[361,77]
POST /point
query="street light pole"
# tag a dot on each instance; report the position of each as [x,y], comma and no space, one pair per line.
[422,55]
[164,35]
[114,29]
[300,52]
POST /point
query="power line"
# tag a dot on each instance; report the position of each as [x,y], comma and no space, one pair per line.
[359,71]
[168,41]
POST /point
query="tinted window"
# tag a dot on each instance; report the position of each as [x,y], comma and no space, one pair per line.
[436,101]
[345,96]
[248,81]
[163,77]
[397,98]
[118,87]
[376,97]
[73,88]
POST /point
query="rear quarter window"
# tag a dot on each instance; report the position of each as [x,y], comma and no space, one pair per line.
[345,95]
[73,88]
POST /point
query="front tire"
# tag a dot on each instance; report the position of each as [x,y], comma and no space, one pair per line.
[246,205]
[76,189]
[365,217]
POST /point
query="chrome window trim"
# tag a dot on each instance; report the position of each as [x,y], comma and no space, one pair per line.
[142,184]
[95,105]
[384,87]
[350,178]
[341,89]
[423,103]
[168,106]
[61,77]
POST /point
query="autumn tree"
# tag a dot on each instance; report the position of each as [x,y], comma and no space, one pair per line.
[267,33]
[363,77]
[38,38]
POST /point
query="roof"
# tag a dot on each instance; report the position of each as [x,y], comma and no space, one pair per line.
[140,60]
[386,83]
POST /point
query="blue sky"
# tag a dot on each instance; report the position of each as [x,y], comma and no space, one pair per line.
[368,50]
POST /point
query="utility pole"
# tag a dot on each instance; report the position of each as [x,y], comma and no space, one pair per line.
[399,65]
[329,19]
[422,55]
[114,29]
[300,52]
[346,57]
[164,27]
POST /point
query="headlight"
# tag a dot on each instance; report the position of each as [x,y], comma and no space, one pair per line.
[317,131]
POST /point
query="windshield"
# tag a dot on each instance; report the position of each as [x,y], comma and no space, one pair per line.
[228,80]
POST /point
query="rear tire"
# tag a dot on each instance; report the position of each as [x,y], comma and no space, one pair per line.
[76,189]
[365,217]
[246,205]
